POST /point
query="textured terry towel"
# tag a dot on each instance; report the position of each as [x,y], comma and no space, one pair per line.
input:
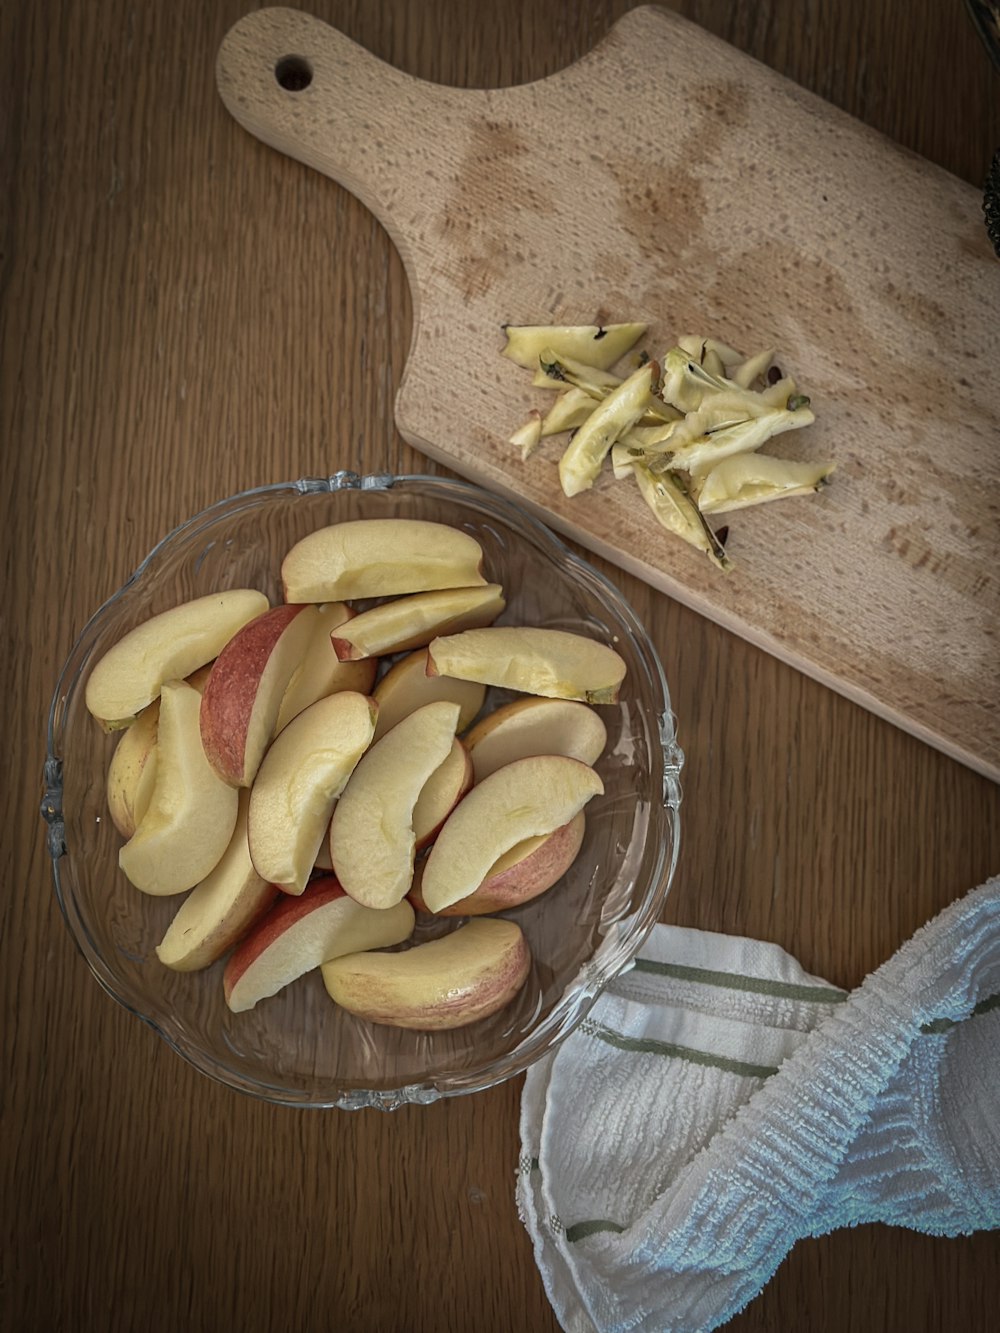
[719,1103]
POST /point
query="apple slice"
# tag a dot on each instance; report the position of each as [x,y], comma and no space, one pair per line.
[525,799]
[320,672]
[445,983]
[298,934]
[536,726]
[411,622]
[406,686]
[165,647]
[300,778]
[441,793]
[528,870]
[550,662]
[241,701]
[224,906]
[372,841]
[379,557]
[192,812]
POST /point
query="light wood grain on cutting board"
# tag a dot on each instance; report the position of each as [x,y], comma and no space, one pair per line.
[669,178]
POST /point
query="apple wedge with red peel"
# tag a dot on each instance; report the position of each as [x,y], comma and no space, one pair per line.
[528,870]
[536,726]
[221,909]
[441,793]
[192,812]
[167,646]
[372,842]
[525,799]
[379,557]
[411,622]
[406,686]
[550,662]
[320,672]
[299,934]
[445,983]
[300,778]
[241,701]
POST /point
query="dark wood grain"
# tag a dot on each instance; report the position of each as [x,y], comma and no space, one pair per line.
[185,314]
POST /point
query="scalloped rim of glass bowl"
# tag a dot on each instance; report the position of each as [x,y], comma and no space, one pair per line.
[613,955]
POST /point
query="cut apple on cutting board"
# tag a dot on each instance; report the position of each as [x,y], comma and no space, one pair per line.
[221,909]
[167,646]
[406,686]
[372,839]
[444,983]
[555,663]
[526,799]
[411,622]
[306,768]
[299,934]
[379,557]
[522,874]
[321,672]
[868,268]
[536,726]
[243,695]
[192,811]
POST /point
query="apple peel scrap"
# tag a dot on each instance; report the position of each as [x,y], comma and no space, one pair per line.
[306,805]
[687,426]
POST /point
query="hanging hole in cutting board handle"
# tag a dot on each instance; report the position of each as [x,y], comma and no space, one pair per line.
[312,93]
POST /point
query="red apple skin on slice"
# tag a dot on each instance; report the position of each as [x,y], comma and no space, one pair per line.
[524,873]
[221,909]
[299,934]
[241,700]
[446,983]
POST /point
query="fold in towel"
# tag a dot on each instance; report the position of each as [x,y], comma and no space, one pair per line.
[718,1104]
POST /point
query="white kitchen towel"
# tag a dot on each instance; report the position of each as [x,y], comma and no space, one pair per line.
[718,1104]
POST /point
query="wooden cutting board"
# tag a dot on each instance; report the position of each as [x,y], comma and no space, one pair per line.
[670,179]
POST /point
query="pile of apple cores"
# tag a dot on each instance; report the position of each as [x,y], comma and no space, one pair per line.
[311,775]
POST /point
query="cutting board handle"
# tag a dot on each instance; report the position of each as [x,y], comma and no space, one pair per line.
[305,89]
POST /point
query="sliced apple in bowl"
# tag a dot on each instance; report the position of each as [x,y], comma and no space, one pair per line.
[304,771]
[321,672]
[412,621]
[372,840]
[167,646]
[445,983]
[526,799]
[525,872]
[536,726]
[555,663]
[299,934]
[406,686]
[441,793]
[379,557]
[192,811]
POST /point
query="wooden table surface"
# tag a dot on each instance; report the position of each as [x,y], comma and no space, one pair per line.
[185,314]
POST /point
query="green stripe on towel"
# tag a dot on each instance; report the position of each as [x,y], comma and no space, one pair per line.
[734,981]
[647,1046]
[945,1024]
[579,1230]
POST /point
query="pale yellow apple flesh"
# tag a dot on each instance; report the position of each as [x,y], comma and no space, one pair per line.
[379,557]
[299,934]
[165,647]
[536,726]
[300,778]
[221,909]
[192,812]
[132,771]
[412,621]
[321,672]
[554,663]
[528,870]
[524,799]
[372,842]
[240,705]
[445,983]
[406,687]
[441,793]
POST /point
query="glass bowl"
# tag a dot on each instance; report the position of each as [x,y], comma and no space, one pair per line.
[298,1048]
